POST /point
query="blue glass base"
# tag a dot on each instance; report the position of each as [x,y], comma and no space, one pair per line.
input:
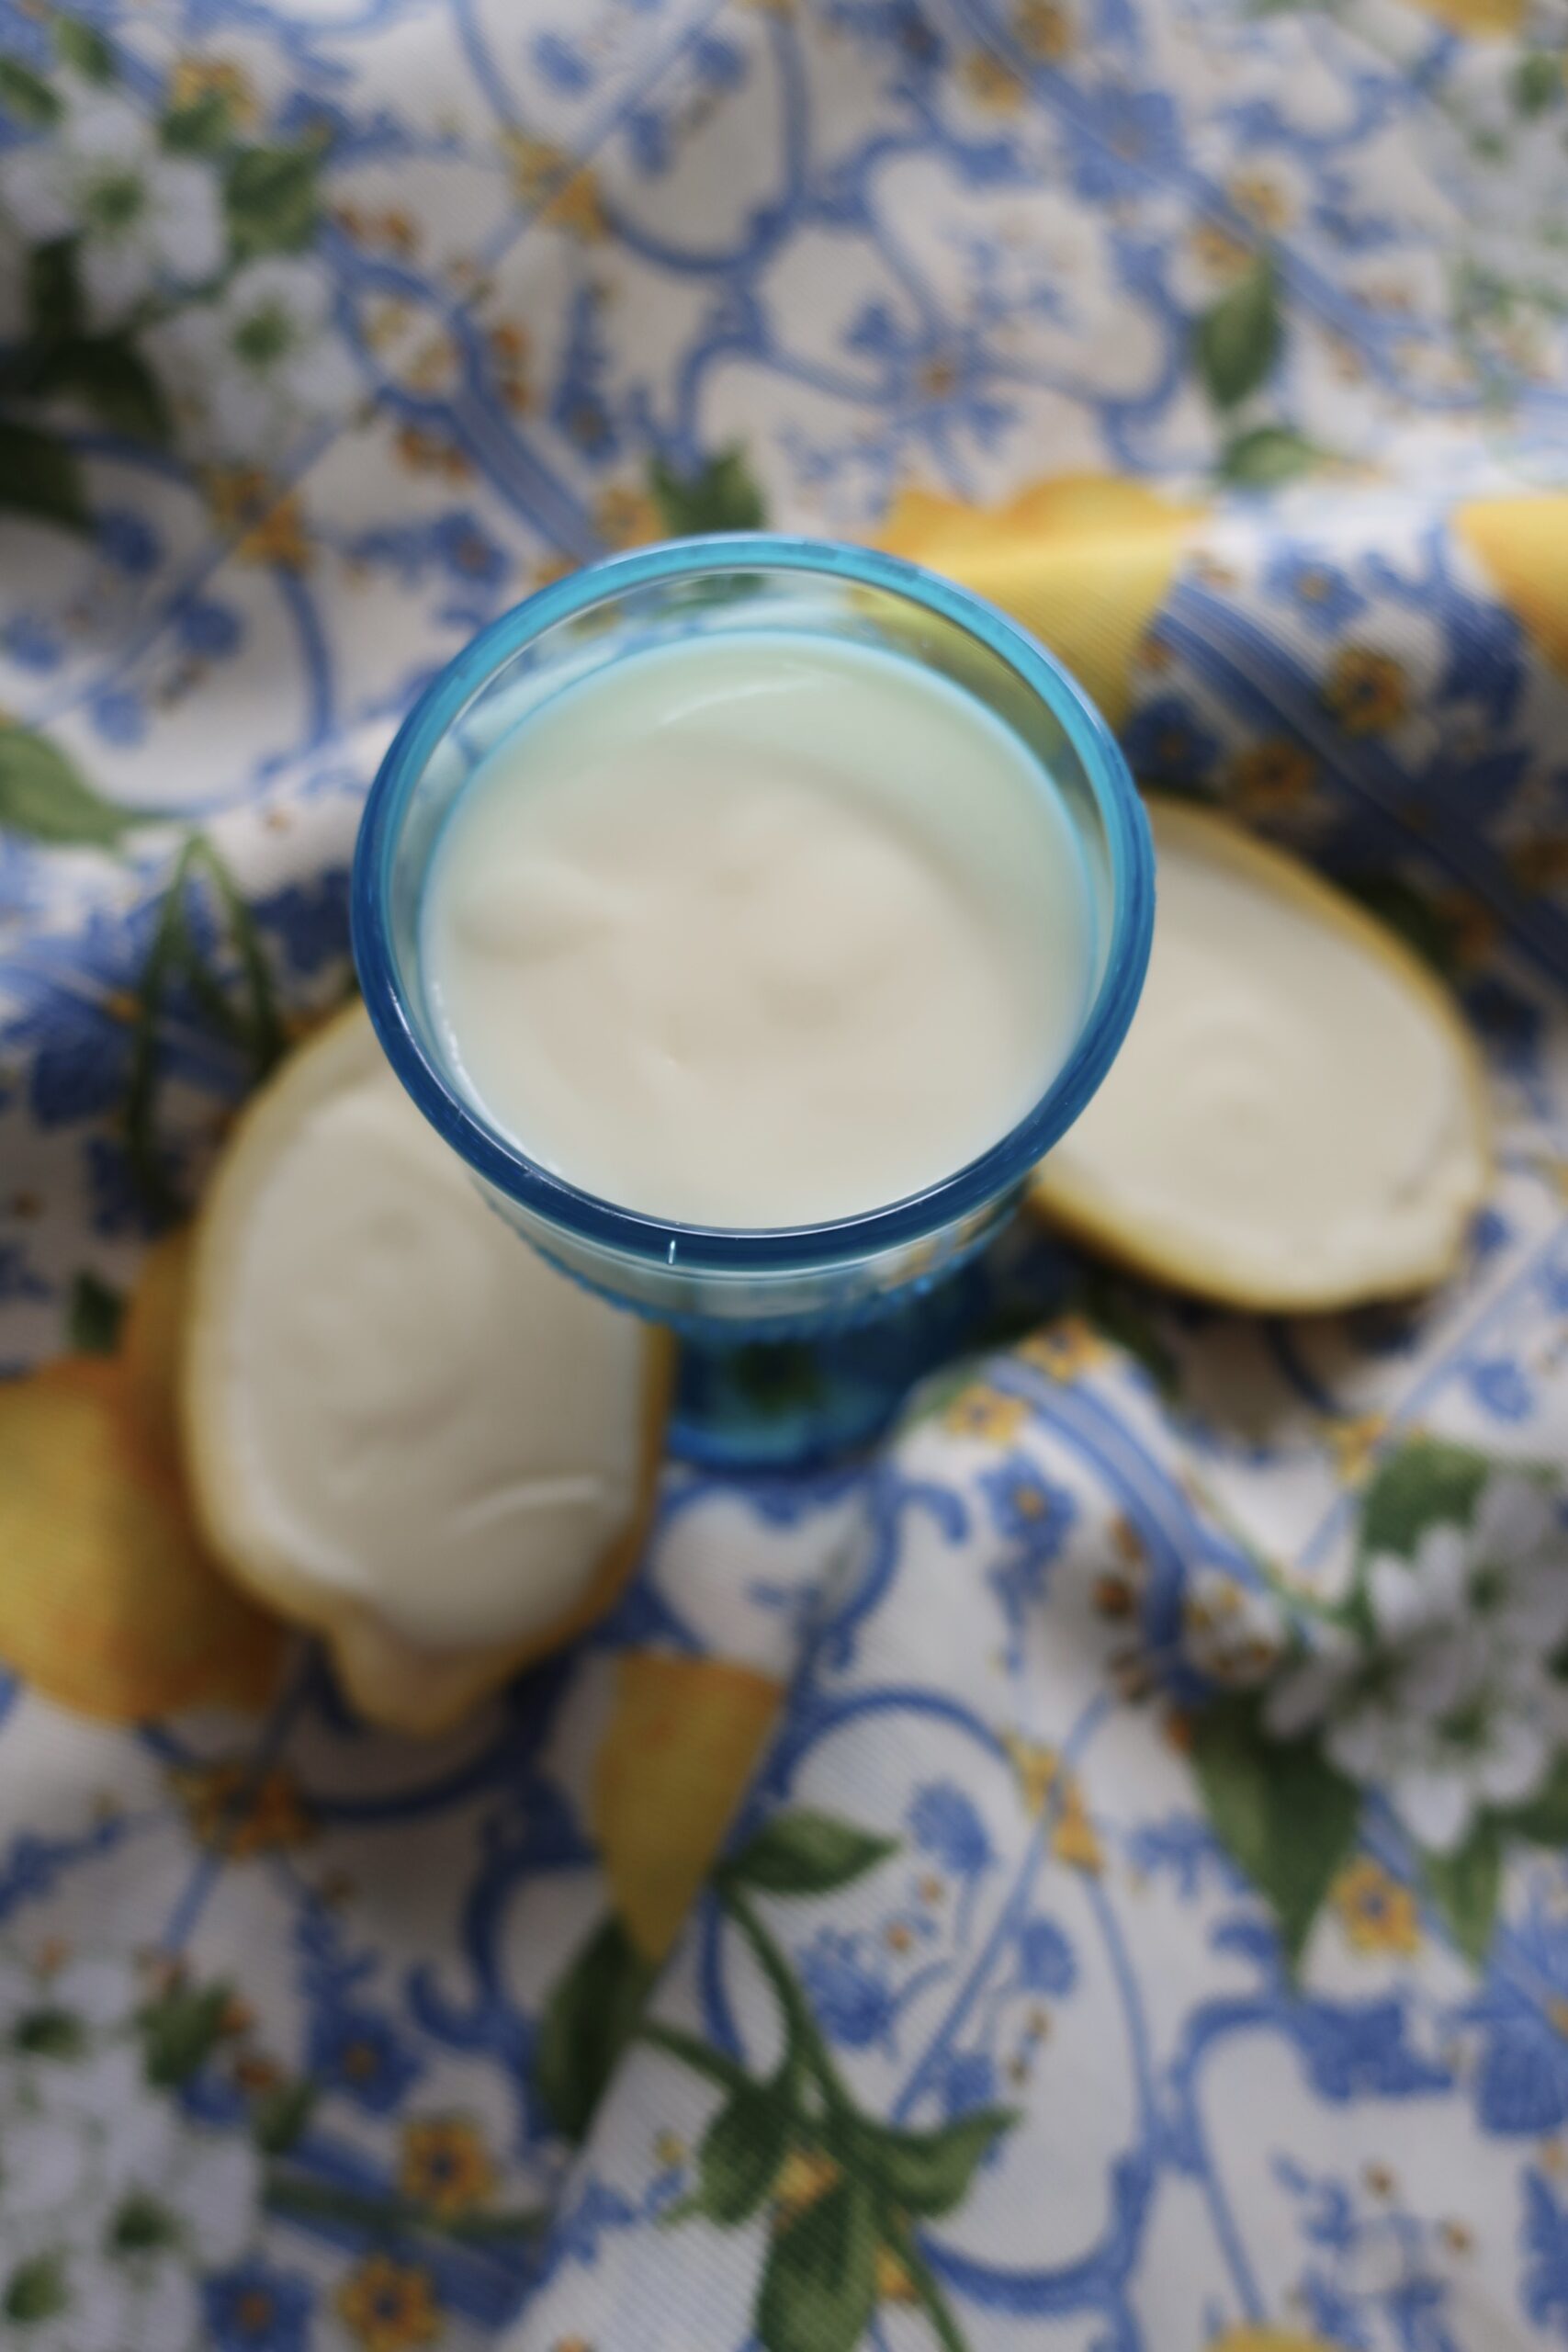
[793,1404]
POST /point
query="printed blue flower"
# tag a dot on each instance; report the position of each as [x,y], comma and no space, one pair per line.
[1028,1507]
[1318,593]
[132,546]
[361,2053]
[1544,2287]
[944,1824]
[309,920]
[31,643]
[118,716]
[1046,1961]
[1165,743]
[969,2081]
[854,2006]
[255,2308]
[210,629]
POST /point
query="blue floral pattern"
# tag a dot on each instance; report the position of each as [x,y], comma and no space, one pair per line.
[1100,1952]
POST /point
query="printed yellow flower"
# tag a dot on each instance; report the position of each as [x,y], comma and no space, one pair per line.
[682,1742]
[1042,29]
[1354,1442]
[389,2306]
[983,1412]
[992,84]
[625,516]
[1272,778]
[443,2163]
[195,78]
[1073,1838]
[1376,1912]
[1367,691]
[1269,2339]
[241,1815]
[561,192]
[1084,560]
[1065,1350]
[1262,201]
[1218,252]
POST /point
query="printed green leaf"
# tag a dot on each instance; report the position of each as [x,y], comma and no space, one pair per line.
[742,2152]
[49,2034]
[269,196]
[804,1853]
[36,2289]
[721,496]
[1237,342]
[1420,923]
[818,2287]
[1538,81]
[108,374]
[589,2015]
[1270,453]
[180,2032]
[203,127]
[94,1316]
[930,2172]
[280,2117]
[1279,1808]
[85,49]
[42,794]
[54,291]
[1465,1885]
[39,475]
[27,99]
[1427,1482]
[1543,1818]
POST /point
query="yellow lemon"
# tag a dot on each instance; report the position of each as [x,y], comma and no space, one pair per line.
[108,1601]
[1084,560]
[1523,543]
[405,1429]
[1297,1119]
[683,1743]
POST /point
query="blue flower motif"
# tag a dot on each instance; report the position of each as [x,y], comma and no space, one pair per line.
[309,920]
[361,2053]
[562,66]
[208,628]
[468,552]
[1120,137]
[944,1824]
[1319,592]
[1499,1386]
[128,543]
[1165,742]
[854,2006]
[969,2080]
[254,2308]
[1521,2080]
[1544,2287]
[118,716]
[1046,1961]
[1027,1507]
[718,62]
[30,643]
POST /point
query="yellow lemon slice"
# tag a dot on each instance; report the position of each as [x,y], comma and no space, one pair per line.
[1297,1120]
[403,1428]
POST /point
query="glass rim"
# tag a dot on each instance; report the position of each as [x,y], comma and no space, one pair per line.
[756,1251]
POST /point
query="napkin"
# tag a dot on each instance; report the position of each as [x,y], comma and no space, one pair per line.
[1143,1918]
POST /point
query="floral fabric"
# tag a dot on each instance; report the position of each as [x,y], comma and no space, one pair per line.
[1146,1921]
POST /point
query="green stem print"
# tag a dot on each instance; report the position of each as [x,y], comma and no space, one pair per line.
[247,1019]
[845,2192]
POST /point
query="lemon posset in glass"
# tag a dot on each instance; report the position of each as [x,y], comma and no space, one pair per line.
[752,915]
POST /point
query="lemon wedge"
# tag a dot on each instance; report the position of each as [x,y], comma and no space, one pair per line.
[1297,1119]
[403,1428]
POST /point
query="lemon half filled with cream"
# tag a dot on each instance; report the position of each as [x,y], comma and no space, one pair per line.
[1296,1121]
[403,1427]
